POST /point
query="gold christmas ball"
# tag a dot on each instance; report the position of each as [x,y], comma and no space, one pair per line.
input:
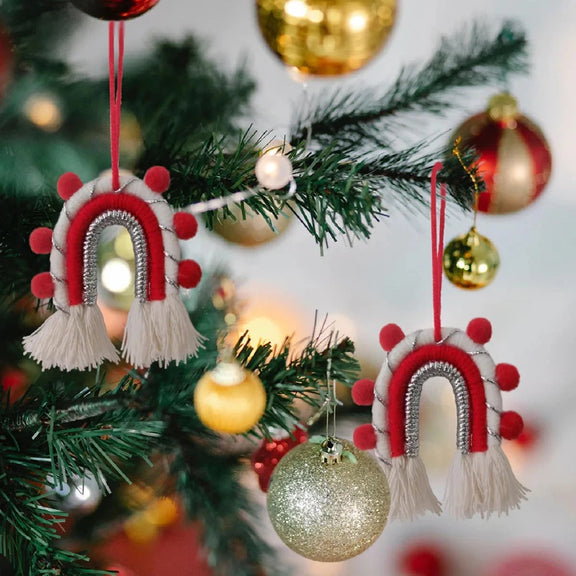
[325,506]
[230,399]
[326,37]
[253,230]
[471,261]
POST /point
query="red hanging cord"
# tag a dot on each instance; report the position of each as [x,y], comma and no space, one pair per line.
[115,97]
[437,248]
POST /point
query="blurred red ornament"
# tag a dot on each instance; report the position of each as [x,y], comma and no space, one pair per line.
[265,459]
[532,564]
[12,378]
[121,570]
[514,156]
[6,58]
[423,560]
[529,437]
[114,9]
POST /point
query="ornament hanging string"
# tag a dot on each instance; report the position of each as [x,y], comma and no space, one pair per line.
[437,229]
[116,72]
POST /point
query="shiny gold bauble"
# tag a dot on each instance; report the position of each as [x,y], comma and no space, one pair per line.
[326,37]
[253,230]
[471,261]
[328,512]
[230,399]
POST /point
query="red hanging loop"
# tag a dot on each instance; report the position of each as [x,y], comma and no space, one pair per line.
[115,97]
[437,248]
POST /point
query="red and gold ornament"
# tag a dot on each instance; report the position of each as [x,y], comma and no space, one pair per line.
[115,9]
[514,157]
[270,452]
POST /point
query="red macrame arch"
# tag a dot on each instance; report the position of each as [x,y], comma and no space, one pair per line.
[77,233]
[399,386]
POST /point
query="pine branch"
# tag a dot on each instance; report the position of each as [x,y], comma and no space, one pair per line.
[474,58]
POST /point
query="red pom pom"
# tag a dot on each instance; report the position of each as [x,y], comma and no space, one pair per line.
[511,425]
[390,336]
[365,437]
[189,273]
[41,241]
[480,330]
[42,286]
[423,560]
[68,185]
[363,392]
[507,377]
[157,179]
[185,225]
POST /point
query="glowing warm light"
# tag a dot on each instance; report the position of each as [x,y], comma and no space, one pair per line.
[264,329]
[116,275]
[296,8]
[483,268]
[123,245]
[43,112]
[357,21]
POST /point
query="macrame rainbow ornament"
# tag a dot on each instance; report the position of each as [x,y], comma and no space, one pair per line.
[158,327]
[480,480]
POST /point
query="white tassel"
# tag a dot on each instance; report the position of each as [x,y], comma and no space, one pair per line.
[483,483]
[140,346]
[73,341]
[410,492]
[161,331]
[174,330]
[462,496]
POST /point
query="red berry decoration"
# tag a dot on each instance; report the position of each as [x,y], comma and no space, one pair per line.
[114,9]
[423,560]
[265,459]
[514,158]
[511,425]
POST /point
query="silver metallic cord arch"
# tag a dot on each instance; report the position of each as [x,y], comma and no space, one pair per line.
[90,253]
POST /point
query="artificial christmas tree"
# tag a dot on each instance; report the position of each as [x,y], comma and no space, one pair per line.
[70,425]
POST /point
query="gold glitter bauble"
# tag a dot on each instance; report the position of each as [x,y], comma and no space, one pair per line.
[230,399]
[328,512]
[471,261]
[326,37]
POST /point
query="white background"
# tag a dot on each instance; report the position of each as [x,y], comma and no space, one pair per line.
[531,303]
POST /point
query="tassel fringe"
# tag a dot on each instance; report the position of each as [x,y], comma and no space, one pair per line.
[410,492]
[483,483]
[159,331]
[73,341]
